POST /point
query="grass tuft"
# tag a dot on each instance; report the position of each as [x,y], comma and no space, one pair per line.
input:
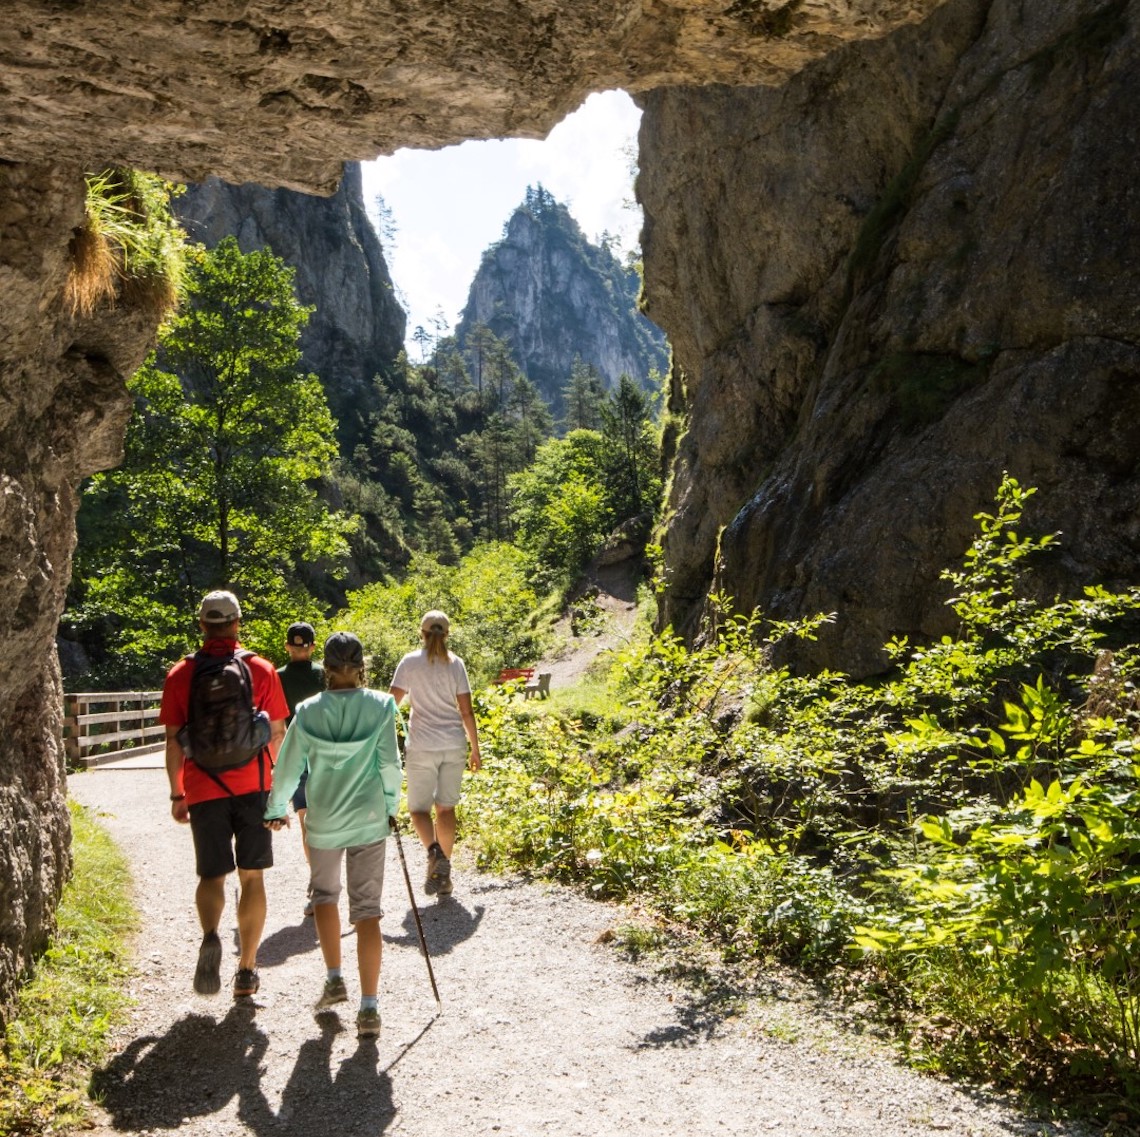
[129,244]
[74,995]
[94,272]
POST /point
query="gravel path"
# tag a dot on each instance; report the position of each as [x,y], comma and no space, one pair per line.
[545,1029]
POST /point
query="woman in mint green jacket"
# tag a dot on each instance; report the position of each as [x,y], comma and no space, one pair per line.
[346,738]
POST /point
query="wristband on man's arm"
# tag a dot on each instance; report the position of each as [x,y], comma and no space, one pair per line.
[177,797]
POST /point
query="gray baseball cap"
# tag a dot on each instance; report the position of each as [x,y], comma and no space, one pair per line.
[219,608]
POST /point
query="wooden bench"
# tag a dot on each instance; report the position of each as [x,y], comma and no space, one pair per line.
[538,685]
[508,674]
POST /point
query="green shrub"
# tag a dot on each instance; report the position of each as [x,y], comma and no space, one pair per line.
[966,827]
[486,596]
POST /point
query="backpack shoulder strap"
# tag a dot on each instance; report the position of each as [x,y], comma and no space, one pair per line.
[245,655]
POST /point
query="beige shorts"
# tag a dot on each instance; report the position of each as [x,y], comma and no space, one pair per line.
[364,873]
[434,777]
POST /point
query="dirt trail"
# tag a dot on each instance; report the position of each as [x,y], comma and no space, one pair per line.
[604,620]
[544,1030]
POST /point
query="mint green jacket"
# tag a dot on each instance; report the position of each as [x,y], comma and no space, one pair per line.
[346,739]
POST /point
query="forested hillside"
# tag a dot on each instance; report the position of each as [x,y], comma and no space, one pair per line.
[236,474]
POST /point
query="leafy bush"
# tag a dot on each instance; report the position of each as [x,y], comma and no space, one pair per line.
[967,826]
[486,597]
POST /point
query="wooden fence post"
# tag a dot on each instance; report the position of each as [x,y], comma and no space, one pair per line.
[71,730]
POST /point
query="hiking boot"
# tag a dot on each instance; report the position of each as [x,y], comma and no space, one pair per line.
[439,874]
[368,1023]
[208,974]
[246,982]
[443,876]
[333,993]
[431,881]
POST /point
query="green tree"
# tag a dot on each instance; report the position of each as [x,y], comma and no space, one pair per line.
[487,596]
[631,456]
[224,450]
[559,505]
[583,397]
[533,423]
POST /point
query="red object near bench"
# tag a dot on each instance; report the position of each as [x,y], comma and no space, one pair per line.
[509,673]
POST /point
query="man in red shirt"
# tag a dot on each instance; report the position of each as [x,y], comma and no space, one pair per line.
[224,809]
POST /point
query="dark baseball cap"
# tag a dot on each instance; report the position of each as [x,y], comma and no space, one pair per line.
[300,635]
[343,649]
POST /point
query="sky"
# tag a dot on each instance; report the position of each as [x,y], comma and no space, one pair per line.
[449,205]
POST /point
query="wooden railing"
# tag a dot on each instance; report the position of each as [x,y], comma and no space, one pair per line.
[103,726]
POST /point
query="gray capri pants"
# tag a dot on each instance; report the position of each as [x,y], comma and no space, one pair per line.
[364,873]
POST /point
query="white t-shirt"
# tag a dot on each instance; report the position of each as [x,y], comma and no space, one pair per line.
[434,722]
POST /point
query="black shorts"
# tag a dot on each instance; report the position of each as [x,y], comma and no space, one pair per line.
[299,799]
[227,824]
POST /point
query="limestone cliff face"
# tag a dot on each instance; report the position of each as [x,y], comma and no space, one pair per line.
[63,411]
[553,296]
[283,94]
[358,326]
[920,266]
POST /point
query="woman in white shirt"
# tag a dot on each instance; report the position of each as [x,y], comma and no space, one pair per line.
[440,727]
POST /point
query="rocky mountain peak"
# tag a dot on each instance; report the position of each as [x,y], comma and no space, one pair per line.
[554,296]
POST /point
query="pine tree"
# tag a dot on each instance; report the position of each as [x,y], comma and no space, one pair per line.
[631,451]
[583,397]
[228,439]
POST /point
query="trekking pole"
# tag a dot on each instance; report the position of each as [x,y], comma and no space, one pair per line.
[415,912]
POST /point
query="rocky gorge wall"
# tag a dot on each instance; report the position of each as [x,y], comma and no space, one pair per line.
[63,411]
[950,200]
[357,328]
[919,267]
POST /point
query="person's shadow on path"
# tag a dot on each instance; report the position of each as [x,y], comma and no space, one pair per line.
[285,943]
[446,925]
[194,1069]
[357,1099]
[199,1065]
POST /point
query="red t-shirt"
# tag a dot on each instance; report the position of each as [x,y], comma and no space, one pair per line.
[268,696]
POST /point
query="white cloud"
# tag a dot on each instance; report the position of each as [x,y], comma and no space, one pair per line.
[587,162]
[451,204]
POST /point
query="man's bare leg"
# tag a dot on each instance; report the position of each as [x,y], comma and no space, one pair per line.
[251,915]
[210,899]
